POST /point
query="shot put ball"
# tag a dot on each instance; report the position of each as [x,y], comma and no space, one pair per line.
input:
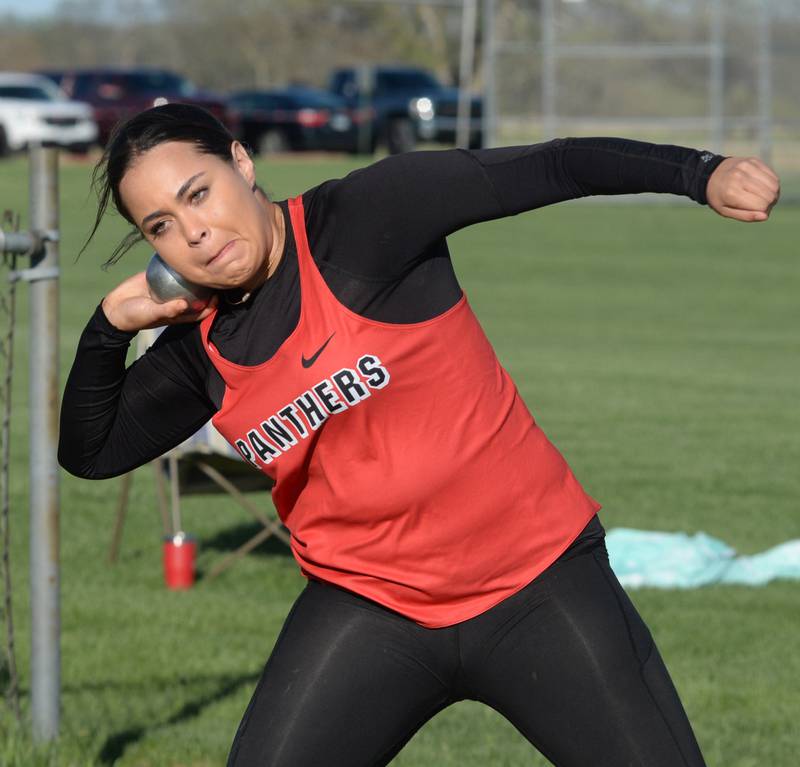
[166,284]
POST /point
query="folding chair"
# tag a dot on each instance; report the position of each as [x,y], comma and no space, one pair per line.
[205,463]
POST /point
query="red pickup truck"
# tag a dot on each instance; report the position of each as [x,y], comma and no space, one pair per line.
[118,93]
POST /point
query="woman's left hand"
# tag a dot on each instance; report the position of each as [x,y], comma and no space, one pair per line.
[743,188]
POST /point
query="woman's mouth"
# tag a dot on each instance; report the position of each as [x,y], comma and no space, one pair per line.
[222,252]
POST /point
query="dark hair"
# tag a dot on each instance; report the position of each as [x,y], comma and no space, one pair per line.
[136,136]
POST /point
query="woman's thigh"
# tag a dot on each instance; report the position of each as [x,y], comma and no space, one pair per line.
[576,670]
[347,684]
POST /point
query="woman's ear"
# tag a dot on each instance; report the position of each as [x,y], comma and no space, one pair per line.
[243,163]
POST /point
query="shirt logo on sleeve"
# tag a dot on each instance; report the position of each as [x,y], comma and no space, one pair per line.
[307,363]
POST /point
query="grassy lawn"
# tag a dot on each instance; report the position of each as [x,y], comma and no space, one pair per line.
[657,346]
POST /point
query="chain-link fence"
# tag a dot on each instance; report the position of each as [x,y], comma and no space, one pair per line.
[720,74]
[38,249]
[9,679]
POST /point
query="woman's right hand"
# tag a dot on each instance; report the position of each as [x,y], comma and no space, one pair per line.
[130,307]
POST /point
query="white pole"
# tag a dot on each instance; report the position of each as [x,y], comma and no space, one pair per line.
[716,74]
[466,61]
[765,80]
[489,82]
[548,13]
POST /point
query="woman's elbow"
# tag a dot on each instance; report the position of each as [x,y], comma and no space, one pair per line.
[84,467]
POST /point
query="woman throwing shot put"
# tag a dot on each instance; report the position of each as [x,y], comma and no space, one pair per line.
[450,552]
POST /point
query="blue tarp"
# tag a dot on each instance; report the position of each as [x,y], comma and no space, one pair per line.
[678,560]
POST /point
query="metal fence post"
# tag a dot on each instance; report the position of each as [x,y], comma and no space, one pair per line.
[548,22]
[489,82]
[765,80]
[466,62]
[43,420]
[716,74]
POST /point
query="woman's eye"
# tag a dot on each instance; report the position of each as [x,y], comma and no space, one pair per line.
[194,197]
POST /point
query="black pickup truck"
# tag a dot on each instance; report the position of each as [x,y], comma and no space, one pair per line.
[405,104]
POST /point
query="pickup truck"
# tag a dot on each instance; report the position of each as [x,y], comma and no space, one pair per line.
[34,110]
[117,93]
[406,105]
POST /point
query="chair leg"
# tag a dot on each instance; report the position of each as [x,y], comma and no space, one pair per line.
[161,494]
[256,540]
[238,496]
[122,509]
[175,492]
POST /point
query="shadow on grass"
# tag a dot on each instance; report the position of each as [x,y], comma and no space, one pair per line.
[116,745]
[230,539]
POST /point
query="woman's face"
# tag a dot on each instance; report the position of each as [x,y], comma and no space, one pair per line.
[201,214]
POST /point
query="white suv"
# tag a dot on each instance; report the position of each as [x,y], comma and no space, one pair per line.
[34,109]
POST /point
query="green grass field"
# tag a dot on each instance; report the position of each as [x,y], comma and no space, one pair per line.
[658,348]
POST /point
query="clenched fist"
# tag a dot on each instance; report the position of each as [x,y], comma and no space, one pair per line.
[743,188]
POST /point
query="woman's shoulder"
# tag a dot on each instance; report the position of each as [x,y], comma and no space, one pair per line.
[357,185]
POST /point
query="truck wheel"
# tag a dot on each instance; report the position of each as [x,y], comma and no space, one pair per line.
[3,143]
[273,141]
[79,149]
[400,136]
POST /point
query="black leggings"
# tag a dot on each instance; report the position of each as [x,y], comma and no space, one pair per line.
[567,660]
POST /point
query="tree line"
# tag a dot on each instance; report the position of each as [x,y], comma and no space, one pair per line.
[267,43]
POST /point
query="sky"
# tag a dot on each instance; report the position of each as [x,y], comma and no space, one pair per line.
[37,8]
[27,8]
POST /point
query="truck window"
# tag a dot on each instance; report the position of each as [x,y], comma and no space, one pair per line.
[344,83]
[405,81]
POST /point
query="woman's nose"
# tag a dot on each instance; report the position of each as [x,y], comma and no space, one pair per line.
[196,230]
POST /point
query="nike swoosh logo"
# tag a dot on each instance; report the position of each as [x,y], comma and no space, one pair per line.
[307,363]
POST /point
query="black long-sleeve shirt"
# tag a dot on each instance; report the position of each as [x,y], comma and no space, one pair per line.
[378,239]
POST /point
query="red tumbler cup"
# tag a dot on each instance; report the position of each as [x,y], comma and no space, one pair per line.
[179,553]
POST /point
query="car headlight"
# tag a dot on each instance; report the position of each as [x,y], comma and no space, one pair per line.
[422,107]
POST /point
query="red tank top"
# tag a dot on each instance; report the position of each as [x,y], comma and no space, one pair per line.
[406,466]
